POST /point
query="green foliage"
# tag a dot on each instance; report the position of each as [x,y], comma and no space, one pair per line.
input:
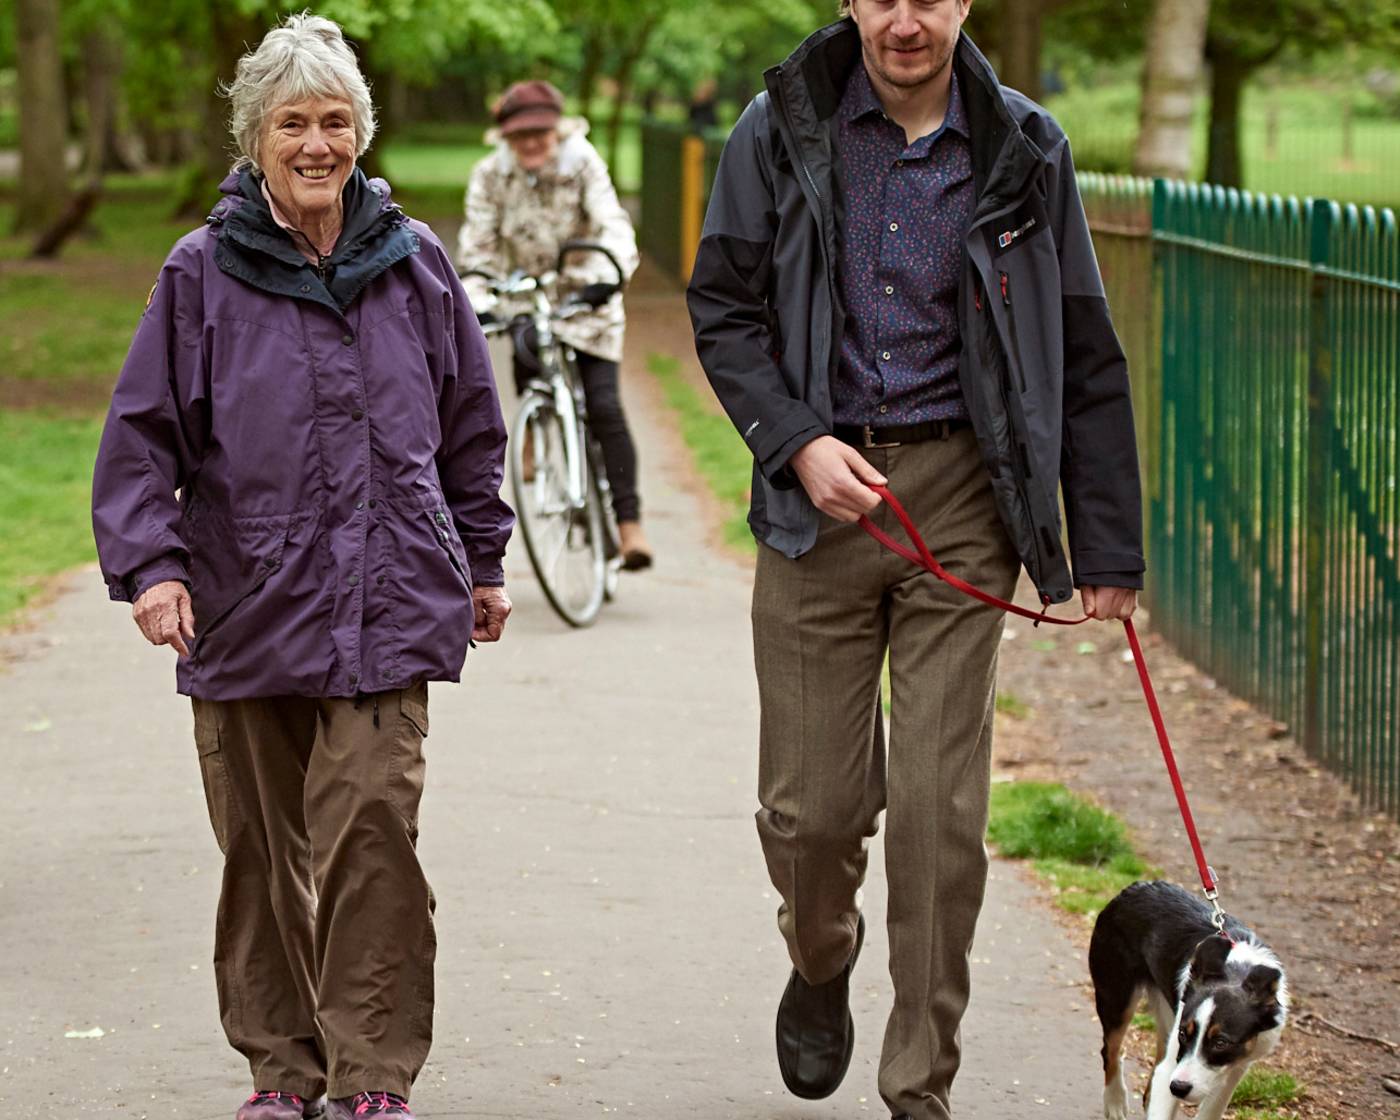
[1263,1087]
[45,477]
[723,460]
[1008,704]
[1037,820]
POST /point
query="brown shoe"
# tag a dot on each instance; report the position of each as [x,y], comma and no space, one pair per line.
[636,552]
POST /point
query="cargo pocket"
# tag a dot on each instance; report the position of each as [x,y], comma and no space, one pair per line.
[406,763]
[213,768]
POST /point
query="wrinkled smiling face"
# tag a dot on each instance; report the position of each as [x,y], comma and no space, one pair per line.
[908,43]
[307,151]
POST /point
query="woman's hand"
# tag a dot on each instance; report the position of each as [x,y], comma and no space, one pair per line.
[166,616]
[492,609]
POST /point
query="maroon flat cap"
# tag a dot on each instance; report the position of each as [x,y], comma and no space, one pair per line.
[529,105]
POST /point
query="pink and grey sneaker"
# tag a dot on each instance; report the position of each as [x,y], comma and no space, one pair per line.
[381,1106]
[269,1104]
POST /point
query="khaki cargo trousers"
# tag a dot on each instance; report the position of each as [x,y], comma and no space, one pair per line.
[324,944]
[822,625]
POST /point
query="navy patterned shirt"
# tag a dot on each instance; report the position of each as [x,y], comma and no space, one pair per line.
[908,209]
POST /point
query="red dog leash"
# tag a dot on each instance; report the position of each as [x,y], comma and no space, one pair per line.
[924,558]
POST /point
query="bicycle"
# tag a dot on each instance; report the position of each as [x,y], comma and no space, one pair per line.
[563,503]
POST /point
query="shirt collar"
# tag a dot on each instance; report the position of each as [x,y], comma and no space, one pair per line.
[859,100]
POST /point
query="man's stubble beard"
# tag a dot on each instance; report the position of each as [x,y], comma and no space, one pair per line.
[939,65]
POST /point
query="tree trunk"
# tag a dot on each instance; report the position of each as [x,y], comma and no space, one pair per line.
[588,71]
[43,134]
[625,70]
[106,149]
[1224,161]
[231,34]
[1022,34]
[1171,75]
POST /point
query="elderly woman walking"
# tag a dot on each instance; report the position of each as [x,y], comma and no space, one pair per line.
[298,490]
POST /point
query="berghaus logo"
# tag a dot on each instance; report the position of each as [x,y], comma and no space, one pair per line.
[1012,234]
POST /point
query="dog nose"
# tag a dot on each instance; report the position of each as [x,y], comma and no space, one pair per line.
[1181,1089]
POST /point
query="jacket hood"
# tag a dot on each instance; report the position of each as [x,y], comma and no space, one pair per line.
[254,248]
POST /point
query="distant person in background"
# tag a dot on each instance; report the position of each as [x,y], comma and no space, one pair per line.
[703,103]
[545,185]
[309,377]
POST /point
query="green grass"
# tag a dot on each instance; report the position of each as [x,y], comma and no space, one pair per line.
[1306,160]
[1080,850]
[45,477]
[720,455]
[1008,704]
[1266,1088]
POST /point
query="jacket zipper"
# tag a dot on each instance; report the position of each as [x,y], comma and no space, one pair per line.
[1011,330]
[439,520]
[1017,466]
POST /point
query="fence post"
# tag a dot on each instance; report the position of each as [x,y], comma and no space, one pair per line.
[1316,504]
[692,200]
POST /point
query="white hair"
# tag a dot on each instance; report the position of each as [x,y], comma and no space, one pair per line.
[307,56]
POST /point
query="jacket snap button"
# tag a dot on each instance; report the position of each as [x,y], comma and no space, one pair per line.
[348,339]
[305,288]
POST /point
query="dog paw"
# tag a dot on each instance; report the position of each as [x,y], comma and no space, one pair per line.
[1115,1101]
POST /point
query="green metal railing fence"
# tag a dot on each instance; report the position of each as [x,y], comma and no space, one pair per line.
[1263,339]
[1266,388]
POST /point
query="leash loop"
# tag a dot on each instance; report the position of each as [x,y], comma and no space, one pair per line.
[924,558]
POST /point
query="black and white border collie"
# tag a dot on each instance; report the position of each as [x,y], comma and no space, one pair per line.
[1220,999]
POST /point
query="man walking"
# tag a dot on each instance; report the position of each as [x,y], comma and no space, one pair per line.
[896,282]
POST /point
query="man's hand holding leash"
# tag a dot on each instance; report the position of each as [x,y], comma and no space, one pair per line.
[837,478]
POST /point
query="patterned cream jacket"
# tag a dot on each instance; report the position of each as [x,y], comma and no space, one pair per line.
[518,220]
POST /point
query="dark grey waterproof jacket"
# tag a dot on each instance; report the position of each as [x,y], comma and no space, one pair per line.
[337,444]
[1042,372]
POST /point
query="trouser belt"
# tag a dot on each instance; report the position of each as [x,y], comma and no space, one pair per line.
[864,435]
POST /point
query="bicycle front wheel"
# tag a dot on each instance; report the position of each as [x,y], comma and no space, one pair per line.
[564,535]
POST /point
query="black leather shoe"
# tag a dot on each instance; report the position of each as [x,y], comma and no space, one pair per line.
[816,1035]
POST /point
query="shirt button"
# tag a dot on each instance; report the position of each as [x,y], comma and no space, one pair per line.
[885,356]
[889,290]
[353,580]
[357,415]
[348,339]
[899,163]
[894,227]
[884,408]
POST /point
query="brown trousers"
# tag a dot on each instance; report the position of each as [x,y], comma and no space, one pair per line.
[822,626]
[324,945]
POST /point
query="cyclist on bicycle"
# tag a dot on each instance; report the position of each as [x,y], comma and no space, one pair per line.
[544,185]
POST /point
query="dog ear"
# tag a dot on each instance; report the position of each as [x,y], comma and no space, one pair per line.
[1208,961]
[1261,985]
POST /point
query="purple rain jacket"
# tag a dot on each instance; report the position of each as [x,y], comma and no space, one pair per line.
[336,440]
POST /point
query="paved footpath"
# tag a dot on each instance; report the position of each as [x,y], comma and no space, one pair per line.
[606,926]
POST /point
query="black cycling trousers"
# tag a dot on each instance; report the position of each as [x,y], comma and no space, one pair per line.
[605,417]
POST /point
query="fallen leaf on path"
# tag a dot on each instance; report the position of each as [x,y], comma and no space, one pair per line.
[96,1032]
[39,725]
[1086,647]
